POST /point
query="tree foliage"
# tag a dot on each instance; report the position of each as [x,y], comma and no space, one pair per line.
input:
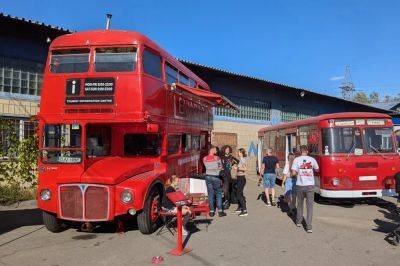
[18,158]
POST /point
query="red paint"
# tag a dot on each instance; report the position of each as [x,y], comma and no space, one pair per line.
[142,104]
[348,169]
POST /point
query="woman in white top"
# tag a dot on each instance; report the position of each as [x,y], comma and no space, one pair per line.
[290,182]
[241,182]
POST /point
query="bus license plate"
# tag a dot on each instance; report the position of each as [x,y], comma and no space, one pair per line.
[367,178]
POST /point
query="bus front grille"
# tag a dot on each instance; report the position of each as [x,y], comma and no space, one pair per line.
[82,202]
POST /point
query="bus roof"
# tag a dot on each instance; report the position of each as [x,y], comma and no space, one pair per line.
[118,37]
[316,119]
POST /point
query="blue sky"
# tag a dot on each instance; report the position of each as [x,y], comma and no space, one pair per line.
[296,42]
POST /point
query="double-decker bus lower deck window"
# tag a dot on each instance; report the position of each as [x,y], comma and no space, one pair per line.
[69,61]
[115,59]
[61,143]
[379,140]
[142,144]
[98,140]
[174,142]
[341,140]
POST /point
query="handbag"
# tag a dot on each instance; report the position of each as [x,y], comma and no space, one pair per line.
[234,172]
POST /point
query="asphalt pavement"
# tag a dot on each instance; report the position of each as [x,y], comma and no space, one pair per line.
[343,234]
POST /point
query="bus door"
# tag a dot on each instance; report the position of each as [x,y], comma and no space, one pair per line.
[290,144]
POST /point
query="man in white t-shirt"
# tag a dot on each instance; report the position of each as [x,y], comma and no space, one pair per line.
[304,167]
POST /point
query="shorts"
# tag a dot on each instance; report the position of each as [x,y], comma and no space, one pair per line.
[289,186]
[269,180]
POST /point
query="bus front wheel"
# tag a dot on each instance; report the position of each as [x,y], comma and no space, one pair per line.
[147,219]
[52,223]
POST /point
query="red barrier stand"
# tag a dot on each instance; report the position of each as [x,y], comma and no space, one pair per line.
[179,199]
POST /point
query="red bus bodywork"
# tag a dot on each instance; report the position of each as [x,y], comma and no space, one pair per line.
[115,127]
[344,146]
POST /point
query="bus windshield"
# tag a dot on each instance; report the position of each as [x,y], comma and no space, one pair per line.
[61,143]
[379,140]
[341,140]
[69,61]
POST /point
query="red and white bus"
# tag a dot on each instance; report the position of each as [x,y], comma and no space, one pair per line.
[118,115]
[356,152]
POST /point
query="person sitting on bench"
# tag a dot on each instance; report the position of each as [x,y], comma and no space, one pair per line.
[170,186]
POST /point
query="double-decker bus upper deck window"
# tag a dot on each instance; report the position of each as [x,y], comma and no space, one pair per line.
[171,74]
[152,64]
[341,140]
[192,83]
[60,143]
[183,79]
[114,59]
[69,61]
[379,140]
[142,144]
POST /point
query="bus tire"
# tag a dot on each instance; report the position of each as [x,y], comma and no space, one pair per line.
[147,219]
[52,223]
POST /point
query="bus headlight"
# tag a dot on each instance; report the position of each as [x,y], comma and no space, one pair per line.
[45,194]
[335,181]
[126,196]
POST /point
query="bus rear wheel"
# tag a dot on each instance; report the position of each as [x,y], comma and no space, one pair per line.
[52,223]
[148,218]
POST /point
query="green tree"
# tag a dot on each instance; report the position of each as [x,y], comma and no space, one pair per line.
[361,97]
[374,97]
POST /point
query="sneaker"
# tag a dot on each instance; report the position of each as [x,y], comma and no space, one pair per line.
[238,210]
[243,213]
[298,224]
[273,203]
[309,231]
[221,214]
[212,214]
[269,204]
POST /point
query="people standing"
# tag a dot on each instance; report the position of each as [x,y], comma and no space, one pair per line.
[241,182]
[213,167]
[269,168]
[228,161]
[290,182]
[304,167]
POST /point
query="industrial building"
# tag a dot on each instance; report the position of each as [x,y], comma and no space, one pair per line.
[23,50]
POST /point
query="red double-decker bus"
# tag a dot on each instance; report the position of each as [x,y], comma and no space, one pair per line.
[118,115]
[356,152]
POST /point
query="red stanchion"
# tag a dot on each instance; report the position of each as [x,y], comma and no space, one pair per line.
[178,198]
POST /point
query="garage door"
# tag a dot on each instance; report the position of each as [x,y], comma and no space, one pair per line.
[222,138]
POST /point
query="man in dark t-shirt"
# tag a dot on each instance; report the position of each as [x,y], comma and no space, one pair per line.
[269,168]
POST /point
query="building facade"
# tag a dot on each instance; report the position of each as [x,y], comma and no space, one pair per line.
[23,50]
[262,103]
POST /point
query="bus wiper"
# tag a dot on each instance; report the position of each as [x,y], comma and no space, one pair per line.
[377,151]
[351,150]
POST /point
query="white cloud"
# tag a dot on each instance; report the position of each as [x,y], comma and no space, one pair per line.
[336,78]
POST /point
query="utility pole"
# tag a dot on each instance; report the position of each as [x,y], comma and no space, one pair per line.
[347,86]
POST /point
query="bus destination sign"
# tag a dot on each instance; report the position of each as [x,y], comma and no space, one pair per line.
[99,86]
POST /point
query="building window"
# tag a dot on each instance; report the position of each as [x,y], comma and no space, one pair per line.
[291,114]
[247,109]
[20,76]
[152,64]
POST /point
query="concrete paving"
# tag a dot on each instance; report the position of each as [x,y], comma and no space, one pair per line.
[343,235]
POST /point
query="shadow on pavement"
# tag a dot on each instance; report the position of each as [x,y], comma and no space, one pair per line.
[391,222]
[13,219]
